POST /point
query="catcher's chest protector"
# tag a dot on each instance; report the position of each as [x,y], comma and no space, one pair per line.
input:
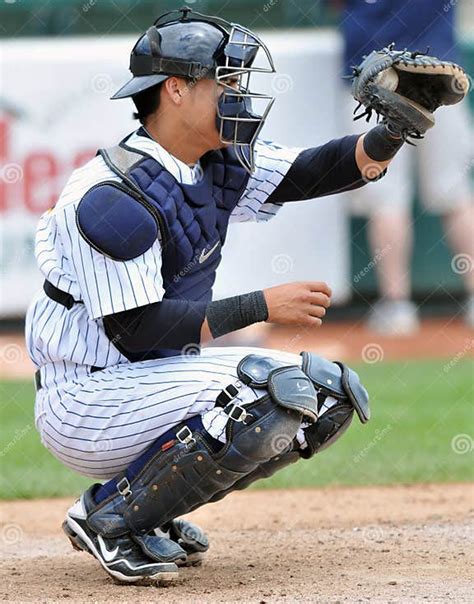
[193,218]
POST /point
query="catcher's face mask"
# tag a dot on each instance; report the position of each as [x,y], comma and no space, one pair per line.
[237,123]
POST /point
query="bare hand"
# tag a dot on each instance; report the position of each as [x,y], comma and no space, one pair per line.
[300,303]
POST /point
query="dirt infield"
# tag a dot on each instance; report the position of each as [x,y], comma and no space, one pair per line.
[377,544]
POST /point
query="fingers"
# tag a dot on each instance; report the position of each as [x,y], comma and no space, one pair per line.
[319,299]
[316,311]
[319,286]
[311,321]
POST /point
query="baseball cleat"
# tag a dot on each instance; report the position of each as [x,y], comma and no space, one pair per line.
[191,538]
[120,557]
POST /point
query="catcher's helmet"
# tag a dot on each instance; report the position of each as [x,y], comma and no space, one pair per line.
[188,44]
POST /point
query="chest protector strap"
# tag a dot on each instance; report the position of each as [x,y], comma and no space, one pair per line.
[122,160]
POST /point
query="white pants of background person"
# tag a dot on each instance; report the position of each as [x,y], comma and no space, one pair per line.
[443,163]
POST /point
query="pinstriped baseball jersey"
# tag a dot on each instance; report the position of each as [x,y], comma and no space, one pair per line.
[76,336]
[97,423]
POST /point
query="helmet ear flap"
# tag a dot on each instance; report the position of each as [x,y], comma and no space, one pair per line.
[219,54]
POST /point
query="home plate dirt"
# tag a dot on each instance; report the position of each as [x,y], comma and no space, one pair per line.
[371,544]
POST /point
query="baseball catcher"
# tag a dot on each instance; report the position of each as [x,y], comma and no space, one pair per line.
[125,392]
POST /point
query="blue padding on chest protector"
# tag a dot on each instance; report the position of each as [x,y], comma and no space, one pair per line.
[115,223]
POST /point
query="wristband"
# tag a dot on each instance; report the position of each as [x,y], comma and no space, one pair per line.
[381,144]
[231,314]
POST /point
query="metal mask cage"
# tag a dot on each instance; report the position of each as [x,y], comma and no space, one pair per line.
[238,56]
[234,76]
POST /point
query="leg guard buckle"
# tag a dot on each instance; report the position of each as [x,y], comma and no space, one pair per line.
[237,412]
[185,436]
[123,487]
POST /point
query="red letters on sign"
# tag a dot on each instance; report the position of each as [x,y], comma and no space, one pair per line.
[34,182]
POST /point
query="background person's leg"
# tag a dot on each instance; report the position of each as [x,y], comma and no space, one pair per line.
[390,235]
[446,160]
[459,228]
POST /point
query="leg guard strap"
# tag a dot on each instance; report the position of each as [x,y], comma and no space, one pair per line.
[188,471]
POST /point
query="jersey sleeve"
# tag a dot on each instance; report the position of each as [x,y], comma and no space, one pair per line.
[272,162]
[110,286]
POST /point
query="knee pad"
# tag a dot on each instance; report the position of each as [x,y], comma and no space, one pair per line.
[191,468]
[336,380]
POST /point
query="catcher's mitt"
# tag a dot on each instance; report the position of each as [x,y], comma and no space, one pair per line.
[405,88]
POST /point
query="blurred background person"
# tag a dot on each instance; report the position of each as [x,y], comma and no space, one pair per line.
[442,163]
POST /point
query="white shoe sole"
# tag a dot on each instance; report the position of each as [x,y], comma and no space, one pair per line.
[160,578]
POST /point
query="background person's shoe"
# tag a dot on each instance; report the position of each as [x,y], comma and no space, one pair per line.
[469,312]
[393,318]
[121,557]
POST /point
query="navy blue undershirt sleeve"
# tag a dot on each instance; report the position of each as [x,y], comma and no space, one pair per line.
[169,324]
[325,170]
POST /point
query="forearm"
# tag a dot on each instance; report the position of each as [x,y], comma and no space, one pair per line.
[340,165]
[319,171]
[170,324]
[175,324]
